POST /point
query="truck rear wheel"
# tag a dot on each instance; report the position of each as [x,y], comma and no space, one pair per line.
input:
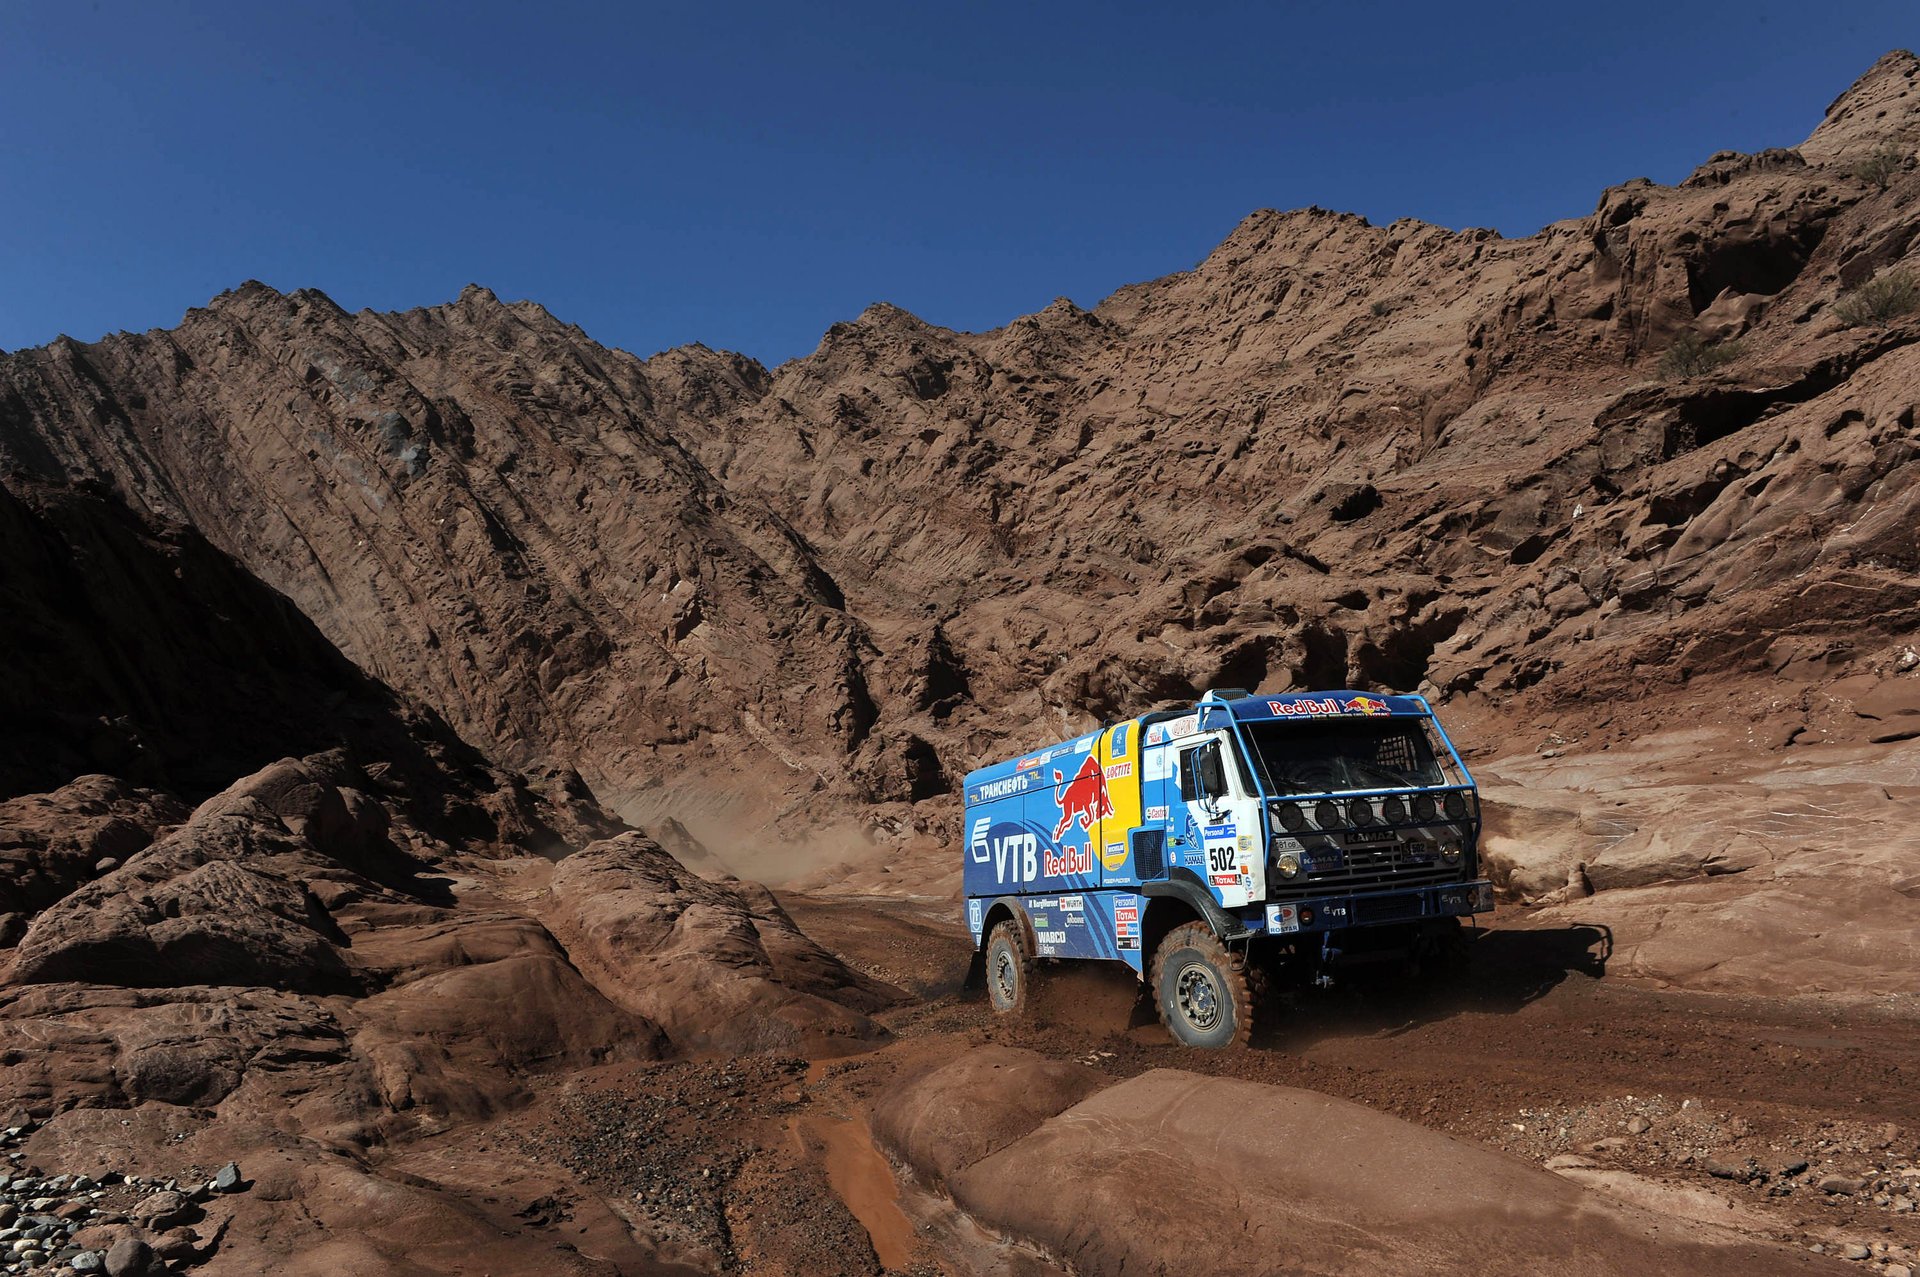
[1009,969]
[1203,989]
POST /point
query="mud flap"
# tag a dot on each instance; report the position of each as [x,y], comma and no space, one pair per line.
[976,978]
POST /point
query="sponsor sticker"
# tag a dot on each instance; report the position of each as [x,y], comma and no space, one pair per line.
[1156,813]
[1005,787]
[1315,706]
[1083,799]
[1050,937]
[977,841]
[1071,860]
[1118,771]
[1072,904]
[1282,918]
[1114,856]
[973,916]
[1119,742]
[1224,880]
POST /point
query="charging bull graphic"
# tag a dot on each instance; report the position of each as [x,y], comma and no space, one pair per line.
[1085,799]
[1366,705]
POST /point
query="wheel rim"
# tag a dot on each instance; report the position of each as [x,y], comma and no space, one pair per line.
[1197,997]
[1005,980]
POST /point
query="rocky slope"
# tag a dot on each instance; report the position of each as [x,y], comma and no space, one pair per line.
[333,957]
[1612,464]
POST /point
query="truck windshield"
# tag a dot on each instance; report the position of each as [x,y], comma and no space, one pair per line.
[1330,757]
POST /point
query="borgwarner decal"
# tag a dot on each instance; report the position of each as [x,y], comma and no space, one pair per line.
[1084,799]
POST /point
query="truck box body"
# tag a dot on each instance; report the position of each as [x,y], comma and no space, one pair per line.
[1330,811]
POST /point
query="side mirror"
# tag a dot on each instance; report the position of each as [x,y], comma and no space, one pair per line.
[1188,790]
[1214,717]
[1213,773]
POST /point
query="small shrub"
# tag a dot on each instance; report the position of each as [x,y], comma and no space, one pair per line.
[1879,301]
[1690,354]
[1382,309]
[1881,167]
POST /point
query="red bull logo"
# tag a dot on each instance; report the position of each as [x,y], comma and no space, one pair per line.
[1084,800]
[1365,705]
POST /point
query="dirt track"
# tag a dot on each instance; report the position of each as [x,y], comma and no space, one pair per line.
[1532,1051]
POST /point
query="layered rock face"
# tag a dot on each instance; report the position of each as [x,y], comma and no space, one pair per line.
[1501,471]
[331,953]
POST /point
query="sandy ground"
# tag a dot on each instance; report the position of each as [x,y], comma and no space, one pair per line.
[1699,1106]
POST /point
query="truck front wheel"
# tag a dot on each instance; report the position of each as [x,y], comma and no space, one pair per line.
[1009,969]
[1203,989]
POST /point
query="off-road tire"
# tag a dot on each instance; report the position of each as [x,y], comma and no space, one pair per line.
[1205,992]
[1010,969]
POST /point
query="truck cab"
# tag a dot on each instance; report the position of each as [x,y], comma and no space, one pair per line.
[1259,836]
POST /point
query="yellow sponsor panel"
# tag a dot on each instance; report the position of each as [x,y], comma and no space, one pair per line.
[1119,752]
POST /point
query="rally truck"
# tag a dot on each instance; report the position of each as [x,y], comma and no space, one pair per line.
[1213,847]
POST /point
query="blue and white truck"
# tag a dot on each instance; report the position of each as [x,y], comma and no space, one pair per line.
[1208,846]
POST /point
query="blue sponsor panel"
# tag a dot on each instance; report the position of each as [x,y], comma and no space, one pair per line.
[1031,824]
[1087,924]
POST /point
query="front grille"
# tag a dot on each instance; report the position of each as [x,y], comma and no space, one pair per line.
[1385,908]
[1363,868]
[1149,853]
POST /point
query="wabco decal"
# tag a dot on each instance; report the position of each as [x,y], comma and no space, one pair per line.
[1050,937]
[1084,799]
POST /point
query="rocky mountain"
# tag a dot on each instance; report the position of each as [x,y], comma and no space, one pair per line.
[1646,450]
[335,638]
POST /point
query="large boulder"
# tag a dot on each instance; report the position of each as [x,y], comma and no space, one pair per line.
[701,960]
[51,843]
[1150,1172]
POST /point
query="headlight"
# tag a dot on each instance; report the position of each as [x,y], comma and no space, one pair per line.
[1292,819]
[1360,812]
[1456,805]
[1326,815]
[1394,808]
[1450,851]
[1288,864]
[1423,807]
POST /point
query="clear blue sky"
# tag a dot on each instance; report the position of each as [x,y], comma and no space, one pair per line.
[745,175]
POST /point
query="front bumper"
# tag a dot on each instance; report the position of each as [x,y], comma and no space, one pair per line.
[1372,909]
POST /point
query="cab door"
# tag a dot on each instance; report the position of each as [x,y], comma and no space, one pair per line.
[1218,830]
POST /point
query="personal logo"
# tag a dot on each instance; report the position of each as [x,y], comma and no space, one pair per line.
[1084,799]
